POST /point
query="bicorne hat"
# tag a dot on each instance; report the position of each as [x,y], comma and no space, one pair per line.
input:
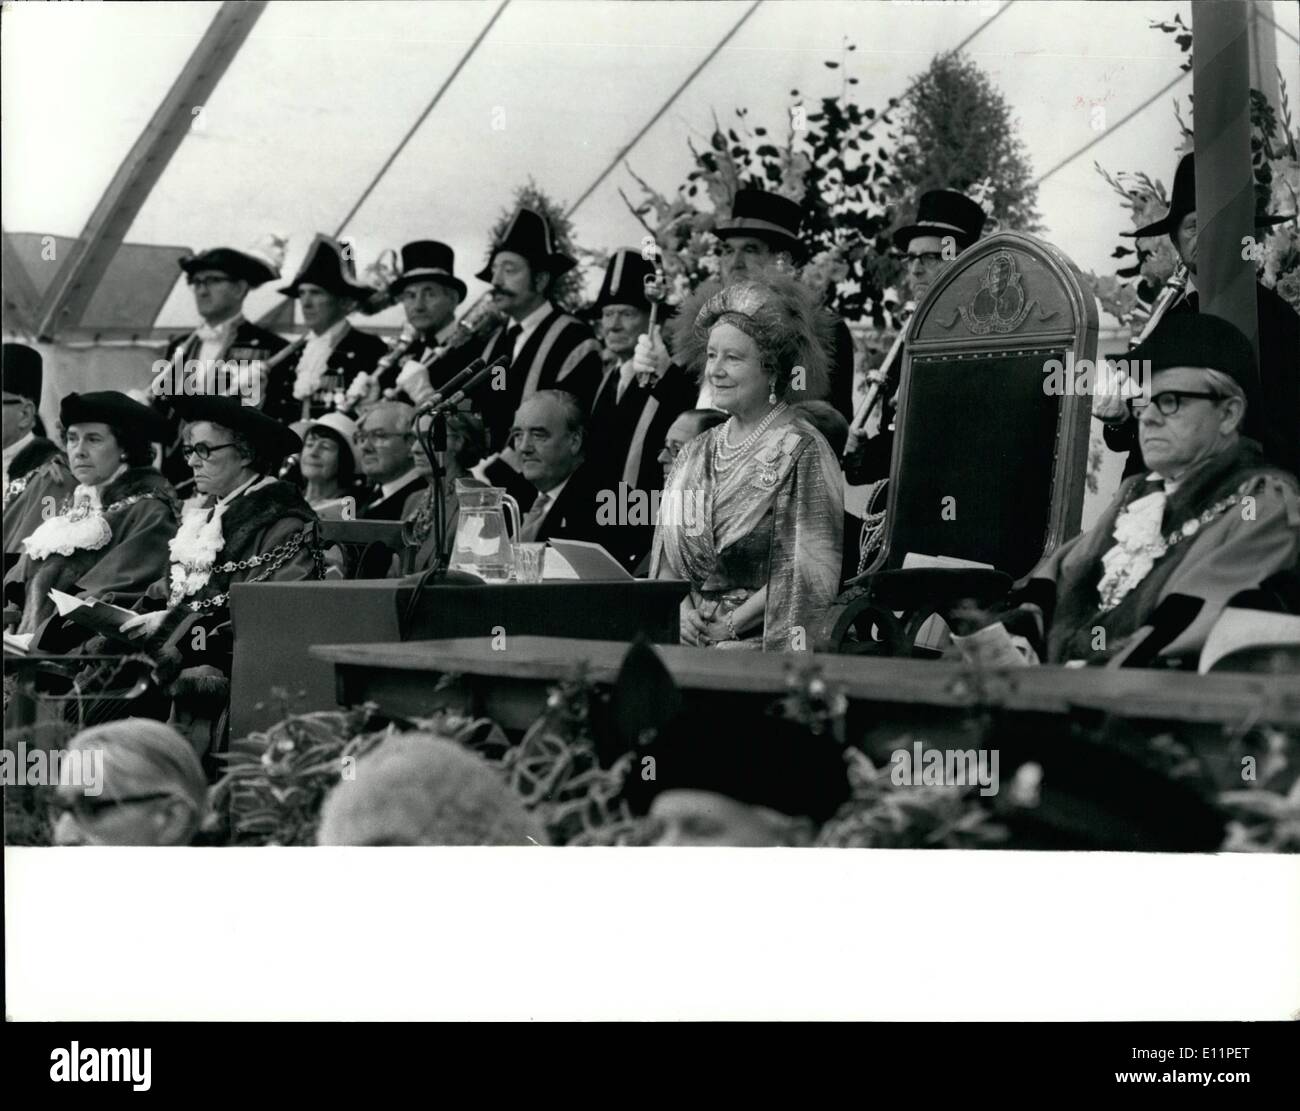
[529,234]
[766,216]
[944,212]
[427,260]
[269,437]
[624,281]
[327,266]
[1182,200]
[23,371]
[115,408]
[259,264]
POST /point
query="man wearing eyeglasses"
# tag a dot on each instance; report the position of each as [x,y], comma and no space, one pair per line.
[220,279]
[947,223]
[1212,518]
[385,459]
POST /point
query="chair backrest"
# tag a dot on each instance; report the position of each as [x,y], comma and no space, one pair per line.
[990,454]
[369,545]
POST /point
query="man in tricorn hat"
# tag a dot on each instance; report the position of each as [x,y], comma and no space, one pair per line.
[548,348]
[761,235]
[947,223]
[1275,421]
[632,413]
[310,383]
[220,278]
[1212,517]
[430,293]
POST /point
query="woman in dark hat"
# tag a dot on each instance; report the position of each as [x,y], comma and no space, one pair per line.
[111,536]
[247,525]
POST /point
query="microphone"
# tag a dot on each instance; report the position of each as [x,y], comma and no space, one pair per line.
[454,390]
[479,375]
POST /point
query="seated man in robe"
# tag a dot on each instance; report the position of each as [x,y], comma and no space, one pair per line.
[1210,517]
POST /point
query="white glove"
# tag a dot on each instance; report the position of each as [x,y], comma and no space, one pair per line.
[651,357]
[414,379]
[1109,396]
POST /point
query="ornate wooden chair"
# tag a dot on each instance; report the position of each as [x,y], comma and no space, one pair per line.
[990,454]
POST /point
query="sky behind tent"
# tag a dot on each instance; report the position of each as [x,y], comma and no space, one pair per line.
[322,93]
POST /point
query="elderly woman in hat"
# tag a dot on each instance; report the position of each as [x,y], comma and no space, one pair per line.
[1211,518]
[753,510]
[110,537]
[247,525]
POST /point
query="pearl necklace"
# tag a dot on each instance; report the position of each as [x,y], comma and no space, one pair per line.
[725,453]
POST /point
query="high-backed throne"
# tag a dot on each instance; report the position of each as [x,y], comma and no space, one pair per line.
[990,455]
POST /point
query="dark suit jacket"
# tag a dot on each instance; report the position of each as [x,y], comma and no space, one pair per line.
[390,508]
[356,352]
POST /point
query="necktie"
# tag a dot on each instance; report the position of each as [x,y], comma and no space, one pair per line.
[625,374]
[532,521]
[506,344]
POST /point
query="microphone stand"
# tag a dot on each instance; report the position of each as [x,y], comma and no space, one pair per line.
[434,444]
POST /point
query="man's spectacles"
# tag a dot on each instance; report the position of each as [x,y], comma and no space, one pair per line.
[377,438]
[203,283]
[926,258]
[83,808]
[1167,401]
[201,450]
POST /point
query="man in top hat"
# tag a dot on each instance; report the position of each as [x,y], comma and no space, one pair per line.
[311,382]
[25,448]
[762,234]
[632,413]
[34,468]
[1275,422]
[548,348]
[220,279]
[947,223]
[1212,517]
[430,293]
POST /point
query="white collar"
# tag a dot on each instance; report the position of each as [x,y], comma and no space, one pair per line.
[554,493]
[13,449]
[243,488]
[389,488]
[533,320]
[331,336]
[222,329]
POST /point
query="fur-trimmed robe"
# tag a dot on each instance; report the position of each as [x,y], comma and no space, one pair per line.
[123,569]
[255,523]
[43,489]
[1233,552]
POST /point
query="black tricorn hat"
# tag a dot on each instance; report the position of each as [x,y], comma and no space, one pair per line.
[115,408]
[1182,200]
[1198,339]
[766,216]
[427,260]
[238,264]
[269,437]
[624,281]
[944,212]
[328,266]
[23,371]
[529,234]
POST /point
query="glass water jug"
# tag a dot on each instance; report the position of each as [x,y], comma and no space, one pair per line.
[482,545]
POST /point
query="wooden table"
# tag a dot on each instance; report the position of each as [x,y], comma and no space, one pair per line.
[509,680]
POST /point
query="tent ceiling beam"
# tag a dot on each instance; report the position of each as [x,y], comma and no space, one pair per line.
[73,286]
